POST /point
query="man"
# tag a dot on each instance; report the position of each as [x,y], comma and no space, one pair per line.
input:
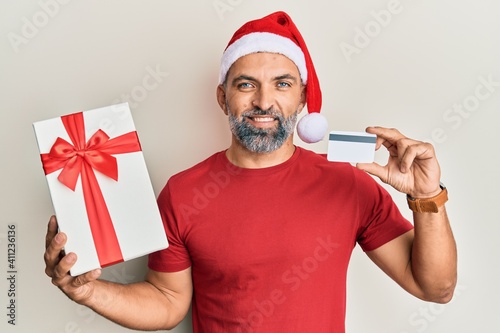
[267,250]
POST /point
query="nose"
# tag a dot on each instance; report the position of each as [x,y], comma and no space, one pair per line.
[264,98]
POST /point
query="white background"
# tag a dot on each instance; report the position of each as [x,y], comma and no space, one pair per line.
[406,71]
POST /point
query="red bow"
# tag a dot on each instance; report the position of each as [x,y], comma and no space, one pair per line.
[82,158]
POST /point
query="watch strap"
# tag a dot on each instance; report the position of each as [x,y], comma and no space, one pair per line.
[428,205]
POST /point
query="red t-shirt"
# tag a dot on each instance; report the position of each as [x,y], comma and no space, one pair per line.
[269,248]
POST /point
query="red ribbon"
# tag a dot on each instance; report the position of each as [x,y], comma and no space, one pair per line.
[82,158]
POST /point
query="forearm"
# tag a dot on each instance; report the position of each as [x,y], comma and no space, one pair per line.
[434,256]
[139,306]
[160,302]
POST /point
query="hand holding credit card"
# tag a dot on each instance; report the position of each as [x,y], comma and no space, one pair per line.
[352,147]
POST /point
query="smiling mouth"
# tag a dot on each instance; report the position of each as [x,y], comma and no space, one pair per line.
[262,119]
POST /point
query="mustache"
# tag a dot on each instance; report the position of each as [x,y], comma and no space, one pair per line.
[259,112]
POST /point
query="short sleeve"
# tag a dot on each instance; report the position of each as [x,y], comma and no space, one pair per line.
[380,219]
[176,257]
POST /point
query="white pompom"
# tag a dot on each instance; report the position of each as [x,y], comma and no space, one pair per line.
[312,127]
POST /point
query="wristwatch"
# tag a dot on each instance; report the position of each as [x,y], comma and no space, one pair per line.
[428,205]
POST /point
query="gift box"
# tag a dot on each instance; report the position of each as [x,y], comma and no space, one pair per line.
[100,187]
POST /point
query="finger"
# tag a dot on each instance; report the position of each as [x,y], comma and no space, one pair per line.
[91,276]
[411,151]
[53,252]
[374,169]
[51,230]
[76,287]
[71,285]
[385,136]
[404,152]
[61,270]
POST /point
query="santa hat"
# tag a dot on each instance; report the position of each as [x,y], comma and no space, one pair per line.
[276,33]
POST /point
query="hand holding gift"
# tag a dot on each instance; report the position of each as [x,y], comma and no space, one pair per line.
[58,265]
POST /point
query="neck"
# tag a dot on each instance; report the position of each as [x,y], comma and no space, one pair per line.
[244,158]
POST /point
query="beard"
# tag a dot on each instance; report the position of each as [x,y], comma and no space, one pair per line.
[262,140]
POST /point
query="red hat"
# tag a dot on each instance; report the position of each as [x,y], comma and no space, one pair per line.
[276,33]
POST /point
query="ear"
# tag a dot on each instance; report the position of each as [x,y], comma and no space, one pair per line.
[221,98]
[302,102]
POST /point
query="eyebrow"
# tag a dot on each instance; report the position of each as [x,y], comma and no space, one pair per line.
[276,78]
[286,76]
[243,78]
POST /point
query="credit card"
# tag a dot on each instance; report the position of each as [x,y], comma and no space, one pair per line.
[352,147]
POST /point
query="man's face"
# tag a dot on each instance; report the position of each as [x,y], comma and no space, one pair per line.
[262,96]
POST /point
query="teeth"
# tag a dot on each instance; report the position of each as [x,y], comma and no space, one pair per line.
[263,119]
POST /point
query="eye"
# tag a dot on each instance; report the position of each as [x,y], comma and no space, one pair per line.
[245,85]
[283,84]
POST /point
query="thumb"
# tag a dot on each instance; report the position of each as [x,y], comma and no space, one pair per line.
[373,169]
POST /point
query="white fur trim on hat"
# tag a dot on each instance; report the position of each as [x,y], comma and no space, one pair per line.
[263,42]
